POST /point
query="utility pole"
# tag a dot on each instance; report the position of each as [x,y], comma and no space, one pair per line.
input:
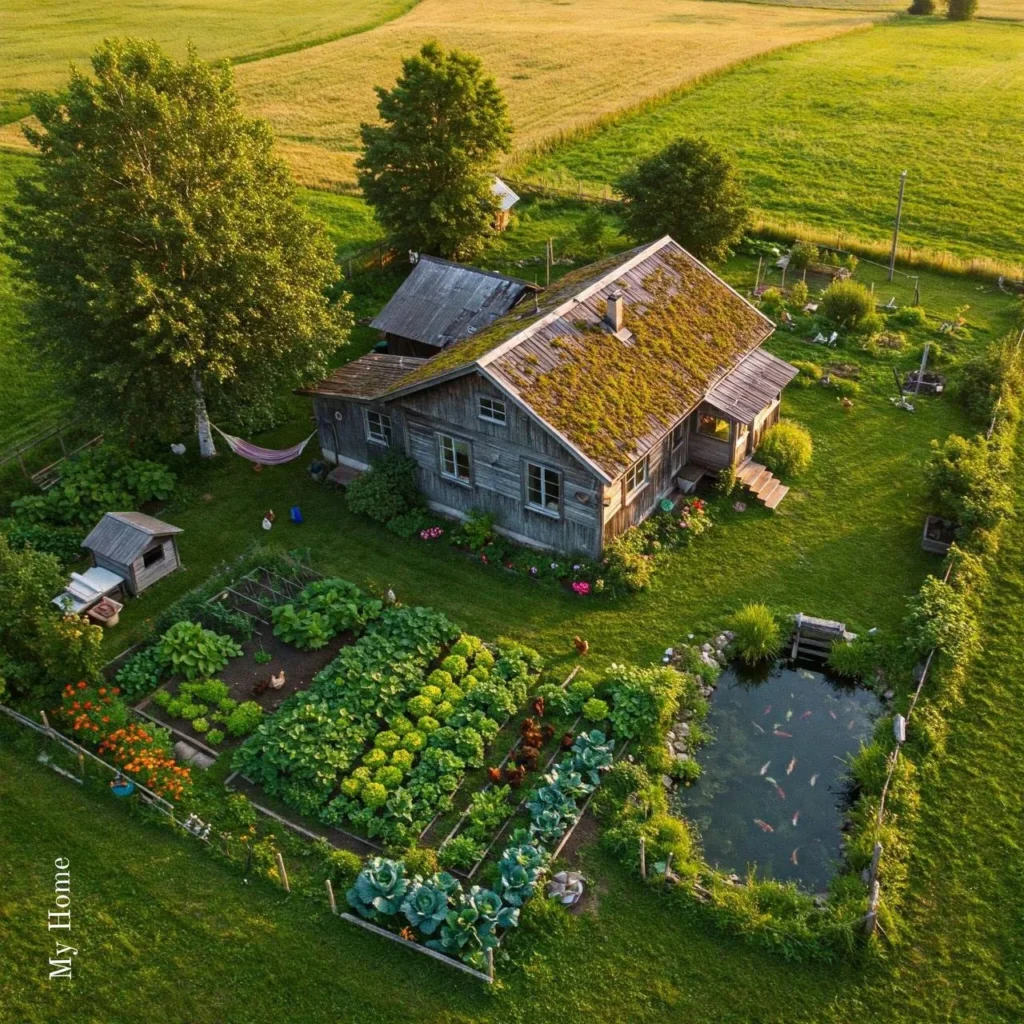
[896,228]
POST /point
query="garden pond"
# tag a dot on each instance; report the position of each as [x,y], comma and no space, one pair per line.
[774,787]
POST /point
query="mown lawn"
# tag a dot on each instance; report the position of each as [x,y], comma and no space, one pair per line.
[822,132]
[165,934]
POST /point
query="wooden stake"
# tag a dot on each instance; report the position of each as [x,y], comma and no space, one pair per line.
[330,895]
[283,873]
[643,858]
[871,919]
[81,766]
[490,964]
[668,865]
[876,856]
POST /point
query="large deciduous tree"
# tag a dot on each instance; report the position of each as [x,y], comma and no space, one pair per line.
[961,10]
[171,269]
[428,168]
[691,191]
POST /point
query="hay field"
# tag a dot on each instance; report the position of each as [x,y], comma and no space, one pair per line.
[562,64]
[39,37]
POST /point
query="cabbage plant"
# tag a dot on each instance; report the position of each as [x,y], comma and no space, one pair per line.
[592,753]
[568,780]
[379,889]
[427,902]
[520,869]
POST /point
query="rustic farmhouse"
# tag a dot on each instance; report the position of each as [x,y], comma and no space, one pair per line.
[571,416]
[441,302]
[134,546]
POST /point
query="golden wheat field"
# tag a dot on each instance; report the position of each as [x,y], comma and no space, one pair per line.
[562,64]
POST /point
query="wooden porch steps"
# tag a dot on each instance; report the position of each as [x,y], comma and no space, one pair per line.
[762,483]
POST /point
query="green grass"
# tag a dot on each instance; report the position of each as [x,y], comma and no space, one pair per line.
[822,132]
[41,37]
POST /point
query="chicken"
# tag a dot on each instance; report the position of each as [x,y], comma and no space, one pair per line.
[514,775]
[261,687]
[270,513]
[495,775]
[528,757]
[582,647]
[566,741]
[276,682]
[538,706]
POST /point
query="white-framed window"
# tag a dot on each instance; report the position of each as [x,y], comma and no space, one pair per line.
[378,428]
[456,461]
[636,477]
[493,410]
[543,489]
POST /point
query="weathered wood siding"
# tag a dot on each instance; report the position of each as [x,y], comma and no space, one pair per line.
[766,419]
[664,464]
[144,576]
[499,453]
[347,436]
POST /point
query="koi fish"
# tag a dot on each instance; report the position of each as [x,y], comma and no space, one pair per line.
[766,710]
[789,715]
[796,818]
[768,778]
[756,726]
[792,858]
[806,714]
[763,825]
[785,735]
[832,713]
[851,725]
[791,766]
[814,778]
[780,791]
[764,767]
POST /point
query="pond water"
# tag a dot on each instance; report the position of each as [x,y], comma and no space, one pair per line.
[774,786]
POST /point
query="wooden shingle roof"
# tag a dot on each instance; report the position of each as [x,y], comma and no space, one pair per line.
[612,396]
[744,392]
[123,536]
[441,302]
[364,378]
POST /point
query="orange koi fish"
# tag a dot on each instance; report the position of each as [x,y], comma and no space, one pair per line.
[806,714]
[780,791]
[791,766]
[792,858]
[796,818]
[783,733]
[763,825]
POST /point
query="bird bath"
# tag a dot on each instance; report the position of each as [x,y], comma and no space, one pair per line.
[774,786]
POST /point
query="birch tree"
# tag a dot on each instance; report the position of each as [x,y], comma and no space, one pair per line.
[171,270]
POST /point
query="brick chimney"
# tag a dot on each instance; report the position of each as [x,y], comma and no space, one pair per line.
[615,312]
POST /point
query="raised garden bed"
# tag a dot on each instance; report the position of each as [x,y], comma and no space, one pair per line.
[931,383]
[938,535]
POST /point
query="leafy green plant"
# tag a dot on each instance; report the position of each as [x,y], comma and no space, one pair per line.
[244,718]
[141,673]
[192,651]
[427,902]
[758,635]
[386,490]
[967,481]
[262,657]
[379,889]
[785,449]
[643,699]
[846,305]
[595,710]
[487,810]
[462,851]
[200,725]
[215,737]
[592,754]
[520,869]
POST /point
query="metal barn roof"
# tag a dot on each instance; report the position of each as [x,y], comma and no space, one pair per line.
[365,377]
[744,392]
[123,536]
[441,302]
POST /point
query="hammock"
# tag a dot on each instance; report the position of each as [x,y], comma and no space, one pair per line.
[265,456]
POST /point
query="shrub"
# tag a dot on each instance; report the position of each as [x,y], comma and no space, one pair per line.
[846,305]
[386,490]
[961,10]
[909,316]
[785,449]
[727,481]
[141,673]
[942,618]
[244,719]
[922,7]
[65,542]
[803,254]
[643,700]
[846,388]
[626,567]
[809,372]
[968,483]
[410,523]
[595,710]
[772,302]
[980,380]
[758,635]
[799,294]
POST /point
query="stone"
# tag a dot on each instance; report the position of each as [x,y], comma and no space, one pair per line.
[562,877]
[683,729]
[705,648]
[682,756]
[721,641]
[888,695]
[688,714]
[722,659]
[730,635]
[679,747]
[670,735]
[668,782]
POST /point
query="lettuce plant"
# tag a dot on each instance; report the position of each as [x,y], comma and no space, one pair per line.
[379,889]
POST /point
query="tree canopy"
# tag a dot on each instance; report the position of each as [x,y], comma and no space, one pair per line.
[962,10]
[691,191]
[428,168]
[169,263]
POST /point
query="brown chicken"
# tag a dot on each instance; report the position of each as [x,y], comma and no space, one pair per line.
[494,774]
[528,757]
[582,647]
[261,687]
[514,775]
[538,706]
[566,742]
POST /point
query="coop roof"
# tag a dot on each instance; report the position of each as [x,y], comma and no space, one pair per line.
[505,194]
[364,378]
[744,392]
[441,302]
[611,397]
[123,536]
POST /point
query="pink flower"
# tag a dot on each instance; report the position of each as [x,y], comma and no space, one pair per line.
[581,587]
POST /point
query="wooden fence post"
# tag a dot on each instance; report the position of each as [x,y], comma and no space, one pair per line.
[490,963]
[282,872]
[643,858]
[871,919]
[81,765]
[330,895]
[876,856]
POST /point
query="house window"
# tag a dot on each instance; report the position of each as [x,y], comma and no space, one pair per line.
[378,428]
[543,489]
[492,410]
[636,477]
[678,434]
[152,556]
[455,461]
[711,426]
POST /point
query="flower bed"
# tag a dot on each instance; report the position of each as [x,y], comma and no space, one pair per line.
[386,731]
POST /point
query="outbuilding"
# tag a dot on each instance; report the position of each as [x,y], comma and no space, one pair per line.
[137,547]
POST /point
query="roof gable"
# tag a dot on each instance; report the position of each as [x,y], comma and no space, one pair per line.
[123,536]
[441,302]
